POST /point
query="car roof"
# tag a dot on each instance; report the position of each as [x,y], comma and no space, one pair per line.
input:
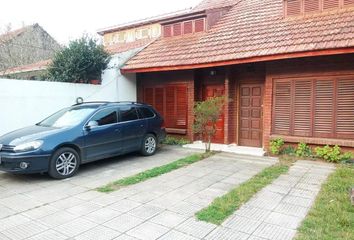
[108,104]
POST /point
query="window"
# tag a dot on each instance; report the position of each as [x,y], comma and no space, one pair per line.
[311,107]
[105,117]
[187,27]
[128,114]
[146,112]
[300,7]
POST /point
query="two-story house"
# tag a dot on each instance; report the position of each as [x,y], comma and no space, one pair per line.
[287,67]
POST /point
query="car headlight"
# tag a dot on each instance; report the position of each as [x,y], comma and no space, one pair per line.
[30,146]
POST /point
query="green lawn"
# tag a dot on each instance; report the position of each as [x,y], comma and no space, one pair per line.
[222,207]
[154,172]
[332,216]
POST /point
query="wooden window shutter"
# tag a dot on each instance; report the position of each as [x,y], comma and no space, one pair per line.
[159,100]
[188,27]
[348,2]
[345,108]
[282,107]
[170,116]
[311,5]
[199,25]
[177,29]
[182,106]
[328,4]
[302,108]
[149,96]
[293,7]
[167,31]
[324,108]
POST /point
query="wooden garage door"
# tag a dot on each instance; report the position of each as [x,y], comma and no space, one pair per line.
[314,107]
[171,101]
[251,115]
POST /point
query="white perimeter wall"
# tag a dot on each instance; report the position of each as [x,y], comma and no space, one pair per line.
[24,103]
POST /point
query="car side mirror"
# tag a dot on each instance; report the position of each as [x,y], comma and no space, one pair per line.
[91,124]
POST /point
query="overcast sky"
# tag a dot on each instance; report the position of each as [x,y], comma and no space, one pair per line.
[69,19]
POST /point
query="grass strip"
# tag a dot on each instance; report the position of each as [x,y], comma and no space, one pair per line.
[332,216]
[222,207]
[154,172]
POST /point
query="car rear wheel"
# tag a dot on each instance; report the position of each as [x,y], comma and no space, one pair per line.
[149,145]
[64,163]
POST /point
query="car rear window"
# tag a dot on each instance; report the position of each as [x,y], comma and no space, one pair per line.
[146,112]
[128,114]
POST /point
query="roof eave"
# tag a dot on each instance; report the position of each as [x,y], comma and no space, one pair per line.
[315,53]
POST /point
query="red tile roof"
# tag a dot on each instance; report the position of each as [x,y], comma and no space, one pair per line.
[38,66]
[252,28]
[12,34]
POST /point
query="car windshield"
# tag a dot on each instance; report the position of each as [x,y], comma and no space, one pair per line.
[67,117]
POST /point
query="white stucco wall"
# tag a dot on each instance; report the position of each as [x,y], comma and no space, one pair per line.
[24,103]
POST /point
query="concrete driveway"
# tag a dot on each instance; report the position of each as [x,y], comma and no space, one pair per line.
[37,207]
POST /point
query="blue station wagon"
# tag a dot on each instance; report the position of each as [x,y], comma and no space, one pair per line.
[81,134]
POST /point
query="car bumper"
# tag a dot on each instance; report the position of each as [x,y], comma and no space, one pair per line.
[11,162]
[162,135]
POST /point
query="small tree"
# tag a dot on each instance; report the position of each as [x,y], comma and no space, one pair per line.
[83,60]
[206,115]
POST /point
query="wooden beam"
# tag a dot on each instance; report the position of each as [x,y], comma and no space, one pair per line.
[242,61]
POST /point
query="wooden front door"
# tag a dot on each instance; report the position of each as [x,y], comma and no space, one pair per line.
[210,91]
[251,98]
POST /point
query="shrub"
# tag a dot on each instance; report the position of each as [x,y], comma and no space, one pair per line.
[303,150]
[332,154]
[206,116]
[289,150]
[169,140]
[276,146]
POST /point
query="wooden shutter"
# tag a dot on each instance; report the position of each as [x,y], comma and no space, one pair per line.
[328,4]
[345,108]
[149,96]
[293,7]
[302,108]
[282,107]
[199,25]
[311,5]
[181,106]
[348,2]
[167,31]
[170,116]
[159,100]
[177,29]
[188,27]
[324,108]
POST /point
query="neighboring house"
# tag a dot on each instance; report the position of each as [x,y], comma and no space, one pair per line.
[287,67]
[34,71]
[123,42]
[24,46]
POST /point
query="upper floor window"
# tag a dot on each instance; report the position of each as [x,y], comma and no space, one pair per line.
[186,27]
[300,7]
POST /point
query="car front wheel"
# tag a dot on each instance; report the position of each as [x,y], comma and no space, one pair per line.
[149,145]
[64,163]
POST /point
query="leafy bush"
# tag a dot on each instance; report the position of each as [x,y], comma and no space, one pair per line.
[82,60]
[169,140]
[276,145]
[303,150]
[289,150]
[332,154]
[206,116]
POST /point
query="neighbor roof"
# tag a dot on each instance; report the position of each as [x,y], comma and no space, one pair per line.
[143,22]
[15,33]
[252,28]
[212,4]
[38,66]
